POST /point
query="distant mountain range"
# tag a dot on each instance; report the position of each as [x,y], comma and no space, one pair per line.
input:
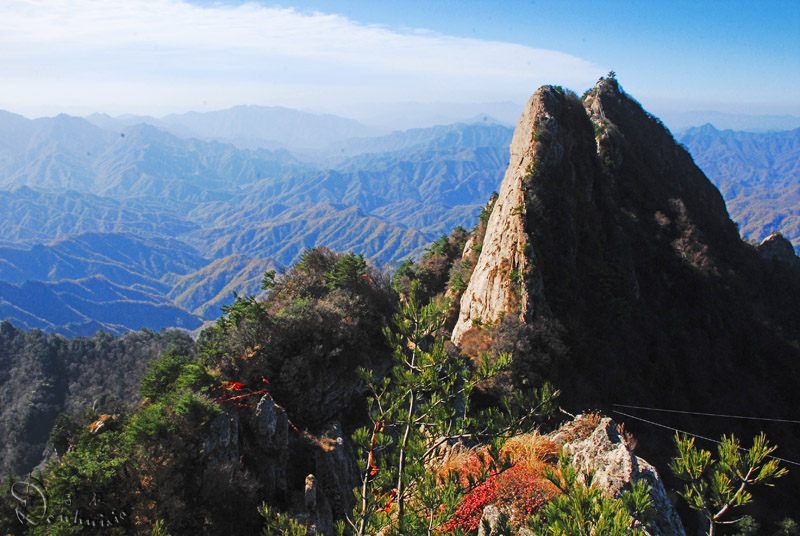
[758,175]
[165,218]
[680,121]
[250,127]
[119,282]
[113,215]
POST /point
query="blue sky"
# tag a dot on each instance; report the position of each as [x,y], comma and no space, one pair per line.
[161,56]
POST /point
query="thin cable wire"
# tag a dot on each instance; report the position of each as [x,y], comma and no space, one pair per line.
[691,434]
[708,414]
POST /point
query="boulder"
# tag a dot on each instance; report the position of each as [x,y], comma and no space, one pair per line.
[608,455]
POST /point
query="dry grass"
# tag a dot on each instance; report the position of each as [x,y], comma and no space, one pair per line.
[461,460]
[522,487]
[477,341]
[530,448]
[626,436]
[581,428]
[532,451]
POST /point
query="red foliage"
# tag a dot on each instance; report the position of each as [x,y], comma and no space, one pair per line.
[519,488]
[468,515]
[522,488]
[228,392]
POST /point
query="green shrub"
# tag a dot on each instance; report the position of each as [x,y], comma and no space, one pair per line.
[195,408]
[149,423]
[162,374]
[347,273]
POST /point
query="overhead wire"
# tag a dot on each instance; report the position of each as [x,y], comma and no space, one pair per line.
[683,412]
[689,433]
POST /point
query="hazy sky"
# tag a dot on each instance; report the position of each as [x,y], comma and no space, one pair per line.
[160,56]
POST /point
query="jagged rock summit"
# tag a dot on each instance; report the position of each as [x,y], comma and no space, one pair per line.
[605,225]
[574,173]
[497,285]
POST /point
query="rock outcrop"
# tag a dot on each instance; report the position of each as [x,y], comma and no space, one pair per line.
[603,455]
[609,457]
[505,279]
[272,425]
[605,224]
[778,248]
[336,469]
[221,447]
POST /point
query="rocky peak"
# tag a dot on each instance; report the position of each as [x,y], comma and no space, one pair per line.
[648,169]
[777,247]
[505,280]
[587,180]
[605,223]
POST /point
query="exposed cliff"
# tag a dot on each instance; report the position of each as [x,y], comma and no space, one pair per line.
[602,212]
[505,278]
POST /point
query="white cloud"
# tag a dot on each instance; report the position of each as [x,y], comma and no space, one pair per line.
[128,55]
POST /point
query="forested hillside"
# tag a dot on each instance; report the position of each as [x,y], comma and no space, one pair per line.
[42,376]
[758,174]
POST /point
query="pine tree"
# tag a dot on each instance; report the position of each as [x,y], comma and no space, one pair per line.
[348,272]
[583,509]
[421,405]
[279,524]
[715,487]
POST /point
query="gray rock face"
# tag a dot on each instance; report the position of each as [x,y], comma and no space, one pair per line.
[222,445]
[336,469]
[777,247]
[505,280]
[491,515]
[272,425]
[610,457]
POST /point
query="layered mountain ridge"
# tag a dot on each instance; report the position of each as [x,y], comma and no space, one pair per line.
[74,193]
[759,175]
[387,196]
